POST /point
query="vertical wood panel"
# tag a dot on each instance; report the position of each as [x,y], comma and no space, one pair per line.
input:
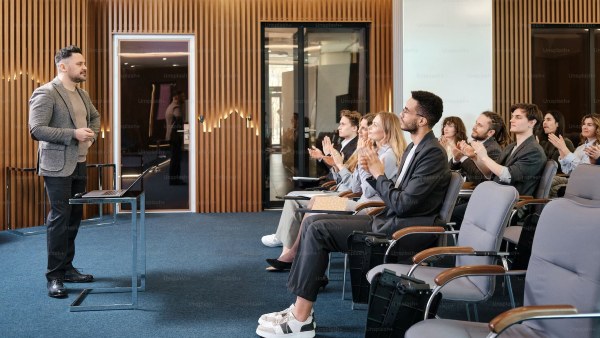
[228,87]
[30,31]
[512,42]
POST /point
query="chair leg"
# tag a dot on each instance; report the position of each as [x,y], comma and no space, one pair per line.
[510,291]
[475,313]
[328,266]
[344,278]
[468,312]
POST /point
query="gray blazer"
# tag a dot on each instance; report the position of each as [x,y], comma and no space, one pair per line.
[52,122]
[525,165]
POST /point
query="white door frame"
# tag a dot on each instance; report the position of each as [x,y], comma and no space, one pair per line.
[116,125]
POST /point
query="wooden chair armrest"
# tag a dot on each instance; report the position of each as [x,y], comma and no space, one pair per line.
[328,184]
[468,185]
[468,270]
[516,315]
[442,250]
[416,229]
[375,211]
[525,197]
[344,193]
[523,203]
[333,212]
[354,195]
[563,175]
[373,204]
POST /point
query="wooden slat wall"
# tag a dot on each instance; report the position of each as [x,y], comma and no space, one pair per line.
[30,33]
[512,41]
[228,87]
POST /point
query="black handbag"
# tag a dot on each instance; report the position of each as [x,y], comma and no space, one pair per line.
[396,303]
[367,250]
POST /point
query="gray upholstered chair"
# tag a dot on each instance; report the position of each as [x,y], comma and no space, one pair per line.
[480,233]
[563,269]
[542,192]
[445,214]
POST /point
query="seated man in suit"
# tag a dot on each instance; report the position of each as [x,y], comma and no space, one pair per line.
[490,130]
[414,199]
[520,164]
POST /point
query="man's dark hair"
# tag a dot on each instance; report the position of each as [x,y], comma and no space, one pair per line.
[559,118]
[532,112]
[65,53]
[497,125]
[430,106]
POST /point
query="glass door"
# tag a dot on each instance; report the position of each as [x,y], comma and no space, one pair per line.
[310,73]
[154,118]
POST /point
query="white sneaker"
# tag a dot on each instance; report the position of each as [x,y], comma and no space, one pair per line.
[271,241]
[270,318]
[288,326]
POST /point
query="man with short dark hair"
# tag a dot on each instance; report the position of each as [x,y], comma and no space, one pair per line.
[66,123]
[414,199]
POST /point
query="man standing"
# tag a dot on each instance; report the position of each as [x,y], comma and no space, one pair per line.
[489,129]
[414,199]
[174,121]
[65,122]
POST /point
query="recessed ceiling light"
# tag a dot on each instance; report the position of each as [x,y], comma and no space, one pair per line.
[175,65]
[164,59]
[132,66]
[126,63]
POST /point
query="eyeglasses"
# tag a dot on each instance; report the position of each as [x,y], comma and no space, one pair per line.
[406,111]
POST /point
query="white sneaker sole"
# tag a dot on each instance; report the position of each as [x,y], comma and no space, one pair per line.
[305,334]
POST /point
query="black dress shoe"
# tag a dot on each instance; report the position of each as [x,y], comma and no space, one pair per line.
[279,265]
[74,276]
[56,288]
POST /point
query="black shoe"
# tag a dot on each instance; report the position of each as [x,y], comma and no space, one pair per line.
[279,265]
[74,276]
[56,288]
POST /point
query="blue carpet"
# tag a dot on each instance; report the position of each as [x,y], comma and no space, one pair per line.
[205,278]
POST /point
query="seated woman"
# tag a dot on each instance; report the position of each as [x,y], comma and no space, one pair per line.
[348,131]
[453,131]
[590,139]
[386,137]
[554,123]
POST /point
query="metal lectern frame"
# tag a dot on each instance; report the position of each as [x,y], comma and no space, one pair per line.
[138,273]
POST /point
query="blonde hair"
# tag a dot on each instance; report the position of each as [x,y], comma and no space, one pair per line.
[391,128]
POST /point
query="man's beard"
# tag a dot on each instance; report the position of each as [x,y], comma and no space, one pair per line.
[477,137]
[77,79]
[411,128]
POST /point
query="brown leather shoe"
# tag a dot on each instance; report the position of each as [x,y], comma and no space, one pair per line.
[74,276]
[56,289]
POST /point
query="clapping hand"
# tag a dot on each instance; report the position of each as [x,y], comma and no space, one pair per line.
[466,149]
[327,145]
[593,152]
[369,161]
[479,149]
[558,142]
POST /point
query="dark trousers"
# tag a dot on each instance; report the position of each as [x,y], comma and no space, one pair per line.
[321,234]
[63,220]
[175,164]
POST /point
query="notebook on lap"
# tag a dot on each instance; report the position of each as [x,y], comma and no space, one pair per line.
[115,193]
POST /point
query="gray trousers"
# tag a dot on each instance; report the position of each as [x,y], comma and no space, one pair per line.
[321,234]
